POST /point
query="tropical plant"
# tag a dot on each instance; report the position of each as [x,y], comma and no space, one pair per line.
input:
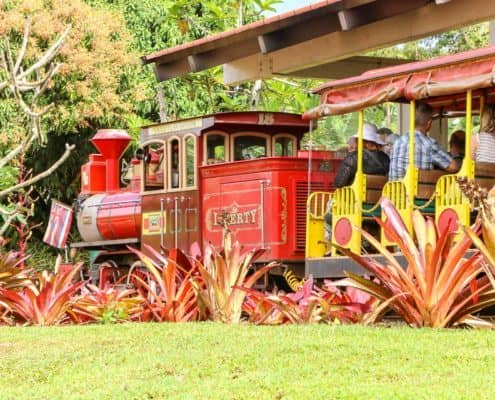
[109,304]
[224,278]
[168,292]
[47,300]
[310,304]
[12,275]
[485,201]
[440,286]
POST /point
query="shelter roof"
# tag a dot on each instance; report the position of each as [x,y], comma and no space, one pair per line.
[324,40]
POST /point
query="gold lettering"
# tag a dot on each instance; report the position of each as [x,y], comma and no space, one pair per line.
[234,218]
[216,221]
[253,216]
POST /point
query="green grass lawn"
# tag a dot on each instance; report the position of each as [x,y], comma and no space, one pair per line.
[211,361]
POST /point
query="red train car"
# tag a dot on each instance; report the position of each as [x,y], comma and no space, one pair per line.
[191,176]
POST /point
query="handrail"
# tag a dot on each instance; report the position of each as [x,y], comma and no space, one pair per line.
[316,208]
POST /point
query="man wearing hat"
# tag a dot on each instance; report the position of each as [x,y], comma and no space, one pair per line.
[375,161]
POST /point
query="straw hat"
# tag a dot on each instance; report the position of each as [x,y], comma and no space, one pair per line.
[370,134]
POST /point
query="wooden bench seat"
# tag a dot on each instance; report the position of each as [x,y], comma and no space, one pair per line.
[374,186]
[484,174]
[427,180]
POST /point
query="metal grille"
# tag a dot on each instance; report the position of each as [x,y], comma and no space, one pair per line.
[301,200]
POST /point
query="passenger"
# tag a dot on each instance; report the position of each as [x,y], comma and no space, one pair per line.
[428,152]
[375,161]
[352,144]
[384,132]
[457,146]
[388,137]
[483,144]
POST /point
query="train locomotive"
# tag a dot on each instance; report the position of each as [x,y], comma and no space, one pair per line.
[190,177]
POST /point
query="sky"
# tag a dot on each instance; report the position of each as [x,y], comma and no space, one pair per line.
[288,5]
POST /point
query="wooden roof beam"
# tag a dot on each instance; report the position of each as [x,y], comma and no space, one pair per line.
[372,12]
[424,21]
[298,33]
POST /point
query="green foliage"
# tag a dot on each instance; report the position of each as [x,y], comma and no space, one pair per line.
[8,176]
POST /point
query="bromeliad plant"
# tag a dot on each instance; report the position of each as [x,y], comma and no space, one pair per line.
[223,277]
[168,292]
[440,286]
[311,304]
[12,275]
[109,304]
[46,301]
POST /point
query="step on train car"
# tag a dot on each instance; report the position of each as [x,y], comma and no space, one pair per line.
[190,177]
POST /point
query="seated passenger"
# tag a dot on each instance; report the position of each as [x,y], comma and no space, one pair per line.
[428,153]
[457,145]
[375,161]
[483,144]
[352,144]
[388,137]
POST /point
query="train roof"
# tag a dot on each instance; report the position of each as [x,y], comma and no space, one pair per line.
[226,120]
[442,80]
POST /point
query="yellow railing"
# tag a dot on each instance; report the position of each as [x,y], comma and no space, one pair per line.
[396,192]
[316,245]
[347,210]
[450,196]
[448,193]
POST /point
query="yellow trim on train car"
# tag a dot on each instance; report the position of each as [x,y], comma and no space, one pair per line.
[348,200]
[316,245]
[403,192]
[448,193]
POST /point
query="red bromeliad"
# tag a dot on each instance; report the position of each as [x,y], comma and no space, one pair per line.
[46,301]
[440,286]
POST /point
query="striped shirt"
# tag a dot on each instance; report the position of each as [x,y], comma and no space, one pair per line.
[428,154]
[485,151]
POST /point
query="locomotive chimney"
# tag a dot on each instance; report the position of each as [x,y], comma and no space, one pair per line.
[111,143]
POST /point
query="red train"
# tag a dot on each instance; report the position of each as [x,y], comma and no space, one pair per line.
[188,176]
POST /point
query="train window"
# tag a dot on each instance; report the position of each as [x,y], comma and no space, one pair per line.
[216,145]
[154,166]
[284,145]
[174,159]
[247,147]
[190,161]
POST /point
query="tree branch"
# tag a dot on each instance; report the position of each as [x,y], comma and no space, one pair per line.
[44,174]
[25,40]
[26,143]
[47,57]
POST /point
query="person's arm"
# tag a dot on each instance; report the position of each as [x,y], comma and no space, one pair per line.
[474,145]
[452,167]
[347,171]
[442,159]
